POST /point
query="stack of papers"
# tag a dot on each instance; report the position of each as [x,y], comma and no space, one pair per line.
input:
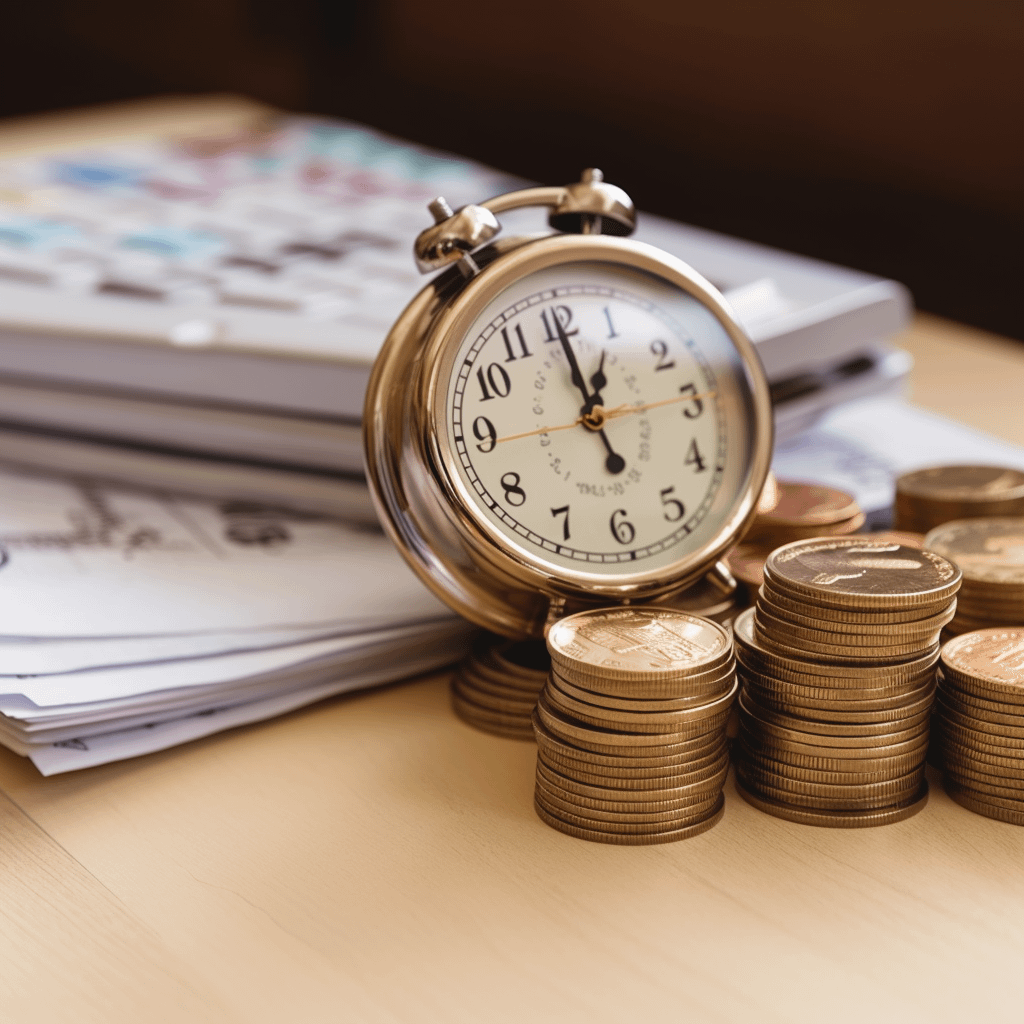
[130,622]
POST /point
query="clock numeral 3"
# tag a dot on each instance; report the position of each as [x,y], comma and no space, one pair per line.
[514,494]
[563,511]
[691,412]
[622,529]
[498,380]
[483,431]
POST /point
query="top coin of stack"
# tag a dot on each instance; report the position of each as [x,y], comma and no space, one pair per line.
[495,687]
[840,621]
[631,725]
[798,511]
[927,498]
[714,596]
[990,553]
[979,722]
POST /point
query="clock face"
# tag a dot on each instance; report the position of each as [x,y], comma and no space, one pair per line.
[598,421]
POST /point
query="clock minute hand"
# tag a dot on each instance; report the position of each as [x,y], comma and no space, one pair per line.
[614,463]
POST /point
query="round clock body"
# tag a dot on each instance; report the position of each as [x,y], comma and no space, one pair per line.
[581,422]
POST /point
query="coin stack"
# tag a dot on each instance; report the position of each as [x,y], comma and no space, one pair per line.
[714,596]
[978,730]
[929,497]
[495,688]
[798,511]
[837,665]
[631,725]
[990,553]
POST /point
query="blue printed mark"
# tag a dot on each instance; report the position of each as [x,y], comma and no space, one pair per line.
[174,243]
[96,175]
[29,233]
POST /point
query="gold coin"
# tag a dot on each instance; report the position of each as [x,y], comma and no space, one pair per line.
[641,717]
[975,803]
[1014,802]
[746,563]
[991,657]
[957,715]
[470,677]
[637,778]
[907,538]
[842,641]
[639,644]
[498,725]
[834,654]
[978,707]
[976,739]
[697,687]
[752,652]
[853,572]
[987,786]
[808,742]
[854,616]
[838,819]
[788,720]
[950,749]
[890,632]
[827,803]
[626,757]
[877,684]
[828,776]
[929,497]
[593,817]
[988,551]
[831,709]
[805,504]
[490,701]
[646,839]
[898,763]
[608,741]
[604,796]
[899,785]
[644,703]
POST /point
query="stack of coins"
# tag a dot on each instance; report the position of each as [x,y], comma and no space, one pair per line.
[715,596]
[990,553]
[631,725]
[798,511]
[929,497]
[978,730]
[495,688]
[837,664]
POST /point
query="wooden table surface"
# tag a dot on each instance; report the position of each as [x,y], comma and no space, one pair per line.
[373,859]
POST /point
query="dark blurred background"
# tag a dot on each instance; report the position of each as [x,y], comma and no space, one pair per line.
[880,134]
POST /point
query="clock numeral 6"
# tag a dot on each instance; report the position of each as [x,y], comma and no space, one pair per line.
[691,412]
[514,494]
[622,530]
[497,378]
[563,511]
[483,431]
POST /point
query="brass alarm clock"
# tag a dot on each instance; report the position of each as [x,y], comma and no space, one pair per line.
[564,420]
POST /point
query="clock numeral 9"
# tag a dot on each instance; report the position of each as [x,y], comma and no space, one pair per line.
[483,431]
[514,494]
[498,380]
[691,412]
[622,530]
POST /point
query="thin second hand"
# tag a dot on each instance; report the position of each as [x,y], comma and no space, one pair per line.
[612,414]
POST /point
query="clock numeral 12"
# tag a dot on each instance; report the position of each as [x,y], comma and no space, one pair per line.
[564,314]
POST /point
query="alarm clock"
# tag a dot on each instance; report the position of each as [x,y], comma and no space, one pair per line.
[563,420]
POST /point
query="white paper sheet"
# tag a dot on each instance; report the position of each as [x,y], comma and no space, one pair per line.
[862,447]
[83,560]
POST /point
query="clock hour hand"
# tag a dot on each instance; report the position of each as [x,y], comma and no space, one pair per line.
[598,382]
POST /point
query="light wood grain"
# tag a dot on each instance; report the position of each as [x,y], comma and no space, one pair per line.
[374,859]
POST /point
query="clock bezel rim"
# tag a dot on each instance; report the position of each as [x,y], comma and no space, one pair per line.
[440,345]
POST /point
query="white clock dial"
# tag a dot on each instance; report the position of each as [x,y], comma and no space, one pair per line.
[600,420]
